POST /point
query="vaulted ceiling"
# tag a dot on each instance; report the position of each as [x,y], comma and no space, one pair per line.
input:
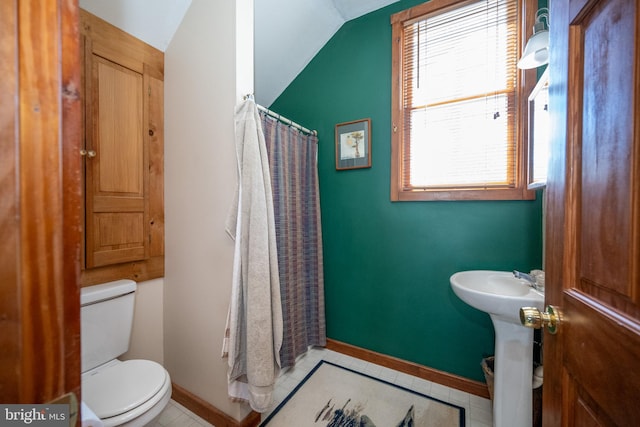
[288,33]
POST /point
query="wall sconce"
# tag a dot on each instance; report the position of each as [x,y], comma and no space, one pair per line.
[536,52]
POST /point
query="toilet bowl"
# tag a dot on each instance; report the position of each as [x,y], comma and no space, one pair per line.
[130,393]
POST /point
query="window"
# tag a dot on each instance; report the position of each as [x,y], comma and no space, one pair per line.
[459,102]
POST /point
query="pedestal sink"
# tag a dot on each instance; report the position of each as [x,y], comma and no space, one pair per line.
[501,295]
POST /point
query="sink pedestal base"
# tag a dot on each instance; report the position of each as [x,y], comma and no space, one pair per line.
[513,369]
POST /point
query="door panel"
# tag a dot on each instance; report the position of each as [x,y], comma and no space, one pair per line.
[118,230]
[593,215]
[119,129]
[117,209]
[606,52]
[601,357]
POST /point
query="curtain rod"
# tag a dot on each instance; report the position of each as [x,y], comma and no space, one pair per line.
[282,119]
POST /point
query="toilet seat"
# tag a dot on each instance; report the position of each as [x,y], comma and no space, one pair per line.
[120,391]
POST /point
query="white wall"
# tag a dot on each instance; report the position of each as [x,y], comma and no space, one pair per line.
[201,91]
[179,320]
[147,335]
[152,21]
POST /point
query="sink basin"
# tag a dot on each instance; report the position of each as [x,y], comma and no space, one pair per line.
[501,295]
[498,293]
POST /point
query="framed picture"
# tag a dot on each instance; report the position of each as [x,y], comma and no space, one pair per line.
[353,144]
[538,140]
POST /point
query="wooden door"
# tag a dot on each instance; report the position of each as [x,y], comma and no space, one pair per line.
[592,365]
[124,128]
[116,164]
[40,125]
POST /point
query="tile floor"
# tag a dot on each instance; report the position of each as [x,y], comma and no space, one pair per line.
[176,415]
[477,409]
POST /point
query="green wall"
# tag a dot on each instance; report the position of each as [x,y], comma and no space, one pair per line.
[387,265]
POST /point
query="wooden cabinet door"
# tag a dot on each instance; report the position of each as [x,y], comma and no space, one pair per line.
[124,134]
[592,365]
[117,214]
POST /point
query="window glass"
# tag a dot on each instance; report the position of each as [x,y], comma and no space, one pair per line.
[456,112]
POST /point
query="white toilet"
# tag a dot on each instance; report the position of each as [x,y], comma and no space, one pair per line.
[128,393]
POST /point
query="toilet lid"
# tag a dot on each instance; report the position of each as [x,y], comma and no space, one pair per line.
[122,387]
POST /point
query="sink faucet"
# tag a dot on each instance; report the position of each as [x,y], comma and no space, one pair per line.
[524,276]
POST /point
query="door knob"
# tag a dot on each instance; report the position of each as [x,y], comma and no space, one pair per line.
[531,317]
[89,153]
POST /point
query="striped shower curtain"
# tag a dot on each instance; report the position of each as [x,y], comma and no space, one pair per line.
[294,181]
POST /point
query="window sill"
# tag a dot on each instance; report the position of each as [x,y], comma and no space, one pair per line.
[463,194]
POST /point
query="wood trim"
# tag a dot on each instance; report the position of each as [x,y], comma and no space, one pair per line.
[152,268]
[110,41]
[10,349]
[450,380]
[556,213]
[210,413]
[155,133]
[427,8]
[72,134]
[397,127]
[517,193]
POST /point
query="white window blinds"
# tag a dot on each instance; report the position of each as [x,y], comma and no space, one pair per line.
[459,97]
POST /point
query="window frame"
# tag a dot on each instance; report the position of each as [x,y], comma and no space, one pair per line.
[526,80]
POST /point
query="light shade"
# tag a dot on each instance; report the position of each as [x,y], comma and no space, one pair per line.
[536,53]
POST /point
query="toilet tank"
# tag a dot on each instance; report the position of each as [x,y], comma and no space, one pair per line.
[106,318]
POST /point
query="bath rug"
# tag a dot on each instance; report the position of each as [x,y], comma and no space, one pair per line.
[335,396]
